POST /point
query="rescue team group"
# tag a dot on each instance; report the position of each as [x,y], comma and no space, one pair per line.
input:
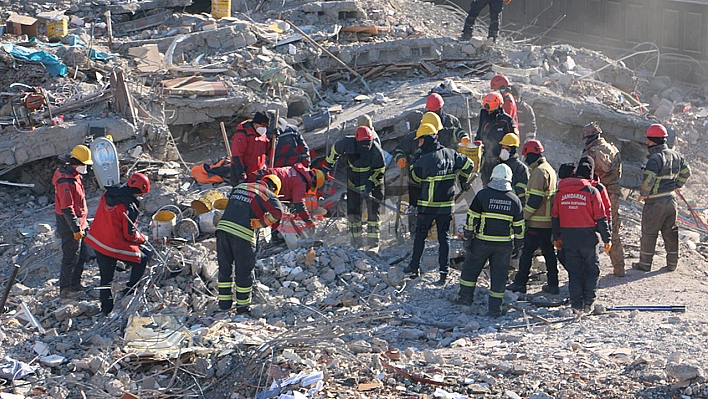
[524,205]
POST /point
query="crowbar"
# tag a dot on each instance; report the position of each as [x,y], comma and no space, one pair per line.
[652,308]
[10,282]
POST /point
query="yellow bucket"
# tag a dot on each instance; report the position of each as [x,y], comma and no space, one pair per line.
[57,29]
[473,153]
[206,202]
[163,223]
[221,8]
[220,204]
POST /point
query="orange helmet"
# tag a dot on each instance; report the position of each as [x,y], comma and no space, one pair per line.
[319,178]
[657,130]
[492,101]
[499,81]
[532,147]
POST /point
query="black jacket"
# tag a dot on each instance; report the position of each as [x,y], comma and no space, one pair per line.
[520,177]
[527,120]
[492,128]
[451,133]
[496,216]
[362,165]
[435,171]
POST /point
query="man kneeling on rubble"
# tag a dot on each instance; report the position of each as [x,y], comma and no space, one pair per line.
[251,206]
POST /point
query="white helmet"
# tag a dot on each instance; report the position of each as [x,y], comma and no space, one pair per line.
[502,172]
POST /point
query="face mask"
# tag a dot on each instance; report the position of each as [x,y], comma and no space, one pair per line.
[82,169]
[504,154]
[261,130]
[365,145]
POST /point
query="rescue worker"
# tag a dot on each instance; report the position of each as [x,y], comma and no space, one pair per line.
[665,172]
[495,10]
[494,124]
[494,233]
[436,171]
[525,117]
[405,154]
[519,171]
[365,177]
[564,171]
[71,211]
[451,134]
[114,235]
[578,214]
[296,181]
[365,120]
[249,147]
[251,206]
[501,83]
[291,148]
[608,169]
[537,214]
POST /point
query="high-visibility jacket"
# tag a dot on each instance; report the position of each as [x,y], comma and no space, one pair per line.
[578,213]
[665,172]
[608,162]
[295,182]
[519,177]
[435,171]
[526,120]
[408,149]
[248,149]
[248,201]
[496,216]
[113,231]
[70,199]
[492,128]
[509,106]
[539,194]
[363,165]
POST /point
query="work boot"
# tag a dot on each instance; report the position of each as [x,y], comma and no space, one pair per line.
[411,273]
[225,304]
[67,293]
[618,271]
[516,287]
[641,267]
[550,289]
[243,309]
[443,278]
[465,296]
[465,37]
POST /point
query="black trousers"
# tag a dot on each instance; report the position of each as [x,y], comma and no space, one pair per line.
[498,255]
[495,9]
[354,212]
[74,255]
[535,238]
[237,254]
[414,193]
[424,223]
[583,267]
[107,268]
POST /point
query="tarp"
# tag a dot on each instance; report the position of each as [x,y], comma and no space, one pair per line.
[52,63]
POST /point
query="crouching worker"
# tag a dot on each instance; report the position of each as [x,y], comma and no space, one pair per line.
[251,206]
[494,231]
[114,236]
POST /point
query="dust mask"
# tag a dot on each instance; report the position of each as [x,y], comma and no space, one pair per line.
[82,169]
[504,155]
[261,130]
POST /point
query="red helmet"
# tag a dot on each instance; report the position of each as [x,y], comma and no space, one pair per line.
[499,81]
[363,133]
[434,102]
[492,101]
[657,130]
[139,181]
[532,147]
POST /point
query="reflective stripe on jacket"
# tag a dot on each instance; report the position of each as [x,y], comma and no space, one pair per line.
[435,171]
[496,216]
[665,172]
[539,194]
[362,164]
[113,231]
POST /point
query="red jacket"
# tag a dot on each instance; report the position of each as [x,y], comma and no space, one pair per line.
[70,198]
[111,233]
[509,106]
[249,149]
[296,180]
[605,198]
[578,213]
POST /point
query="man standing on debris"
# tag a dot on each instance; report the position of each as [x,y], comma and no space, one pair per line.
[250,206]
[365,177]
[495,10]
[494,124]
[249,147]
[578,214]
[436,170]
[520,172]
[451,134]
[537,214]
[664,173]
[501,83]
[114,235]
[291,147]
[71,211]
[608,168]
[494,232]
[525,117]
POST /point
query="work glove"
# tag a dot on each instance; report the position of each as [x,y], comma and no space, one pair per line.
[401,163]
[465,141]
[558,244]
[465,185]
[255,223]
[516,250]
[478,143]
[78,235]
[608,246]
[469,237]
[641,199]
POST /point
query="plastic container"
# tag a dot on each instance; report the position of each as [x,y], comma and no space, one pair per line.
[208,222]
[473,153]
[57,29]
[163,224]
[206,202]
[220,8]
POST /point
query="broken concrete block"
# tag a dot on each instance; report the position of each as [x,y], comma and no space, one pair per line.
[684,371]
[411,333]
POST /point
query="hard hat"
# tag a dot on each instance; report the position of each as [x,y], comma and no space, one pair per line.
[433,119]
[492,101]
[139,181]
[319,178]
[273,180]
[591,129]
[83,154]
[532,147]
[502,172]
[364,120]
[498,82]
[434,102]
[363,133]
[657,130]
[425,129]
[510,139]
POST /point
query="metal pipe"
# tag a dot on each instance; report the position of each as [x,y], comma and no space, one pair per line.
[10,283]
[652,308]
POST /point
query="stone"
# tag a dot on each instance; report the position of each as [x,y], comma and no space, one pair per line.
[541,395]
[44,228]
[432,357]
[684,371]
[411,333]
[395,276]
[511,395]
[115,387]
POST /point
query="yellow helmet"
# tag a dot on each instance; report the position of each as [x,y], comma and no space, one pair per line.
[83,154]
[425,129]
[273,180]
[511,140]
[433,119]
[319,179]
